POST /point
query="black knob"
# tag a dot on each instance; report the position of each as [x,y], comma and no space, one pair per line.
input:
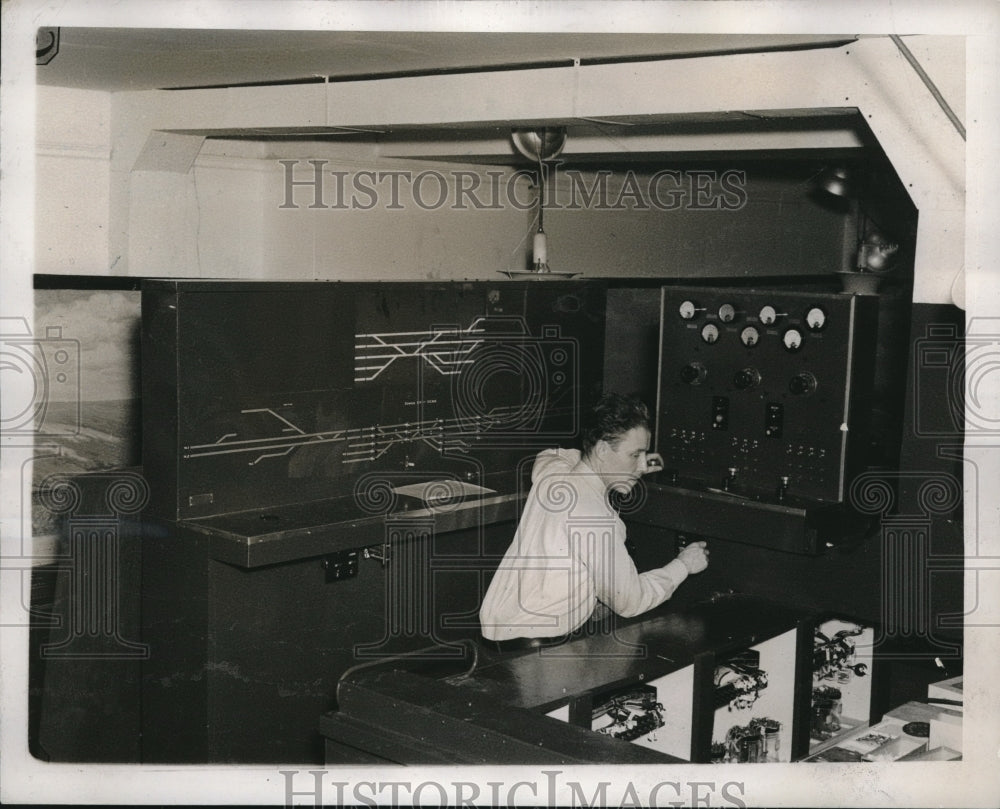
[694,373]
[802,384]
[747,378]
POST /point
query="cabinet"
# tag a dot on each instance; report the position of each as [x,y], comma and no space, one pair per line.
[645,689]
[286,426]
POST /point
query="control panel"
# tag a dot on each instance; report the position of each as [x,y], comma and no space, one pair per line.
[273,394]
[765,393]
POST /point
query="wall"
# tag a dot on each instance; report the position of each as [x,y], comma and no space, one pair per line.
[203,217]
[632,230]
[73,181]
[379,234]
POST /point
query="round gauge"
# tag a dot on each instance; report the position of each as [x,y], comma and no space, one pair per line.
[768,314]
[710,333]
[749,336]
[727,313]
[687,310]
[792,339]
[816,319]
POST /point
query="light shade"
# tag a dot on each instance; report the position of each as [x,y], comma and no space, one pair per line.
[539,144]
[837,181]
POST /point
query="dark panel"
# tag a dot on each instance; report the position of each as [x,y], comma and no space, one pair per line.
[270,395]
[175,626]
[771,384]
[923,531]
[244,661]
[159,399]
[87,643]
[258,371]
[47,281]
[632,348]
[424,719]
[903,572]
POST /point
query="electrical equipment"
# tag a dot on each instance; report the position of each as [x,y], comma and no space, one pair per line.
[342,565]
[763,409]
[739,681]
[753,696]
[757,741]
[763,392]
[841,679]
[629,713]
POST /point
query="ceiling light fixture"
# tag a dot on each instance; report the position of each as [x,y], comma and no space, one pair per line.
[538,146]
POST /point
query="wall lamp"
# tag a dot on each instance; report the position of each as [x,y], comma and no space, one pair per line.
[875,252]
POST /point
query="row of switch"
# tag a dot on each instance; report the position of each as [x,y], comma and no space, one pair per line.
[727,313]
[791,338]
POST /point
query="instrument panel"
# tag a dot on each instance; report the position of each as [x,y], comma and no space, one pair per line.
[764,391]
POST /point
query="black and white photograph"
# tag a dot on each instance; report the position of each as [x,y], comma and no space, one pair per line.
[500,403]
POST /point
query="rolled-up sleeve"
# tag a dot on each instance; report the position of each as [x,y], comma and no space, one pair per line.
[617,583]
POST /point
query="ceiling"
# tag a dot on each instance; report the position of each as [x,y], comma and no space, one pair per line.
[121,59]
[135,59]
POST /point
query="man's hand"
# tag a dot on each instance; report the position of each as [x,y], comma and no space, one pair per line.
[694,557]
[654,463]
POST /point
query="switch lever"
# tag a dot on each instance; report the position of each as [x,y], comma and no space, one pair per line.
[730,479]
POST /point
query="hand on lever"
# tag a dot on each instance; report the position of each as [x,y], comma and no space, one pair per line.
[654,463]
[694,557]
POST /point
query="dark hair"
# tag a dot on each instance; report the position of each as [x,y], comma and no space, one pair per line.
[612,417]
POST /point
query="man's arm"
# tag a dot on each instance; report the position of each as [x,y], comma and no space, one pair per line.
[630,593]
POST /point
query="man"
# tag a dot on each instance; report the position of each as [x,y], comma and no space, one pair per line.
[568,554]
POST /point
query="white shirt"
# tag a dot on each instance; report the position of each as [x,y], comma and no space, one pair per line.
[568,554]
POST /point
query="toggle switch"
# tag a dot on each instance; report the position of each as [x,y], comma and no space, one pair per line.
[730,479]
[720,413]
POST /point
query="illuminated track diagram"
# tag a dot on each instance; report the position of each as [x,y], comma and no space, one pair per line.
[363,443]
[446,350]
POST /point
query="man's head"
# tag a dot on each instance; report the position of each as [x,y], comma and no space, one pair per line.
[616,439]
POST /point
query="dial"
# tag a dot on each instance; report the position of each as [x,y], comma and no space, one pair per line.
[768,314]
[727,313]
[749,336]
[710,333]
[802,384]
[816,319]
[792,339]
[694,373]
[747,378]
[688,310]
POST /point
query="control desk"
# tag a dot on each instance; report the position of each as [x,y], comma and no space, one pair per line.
[666,687]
